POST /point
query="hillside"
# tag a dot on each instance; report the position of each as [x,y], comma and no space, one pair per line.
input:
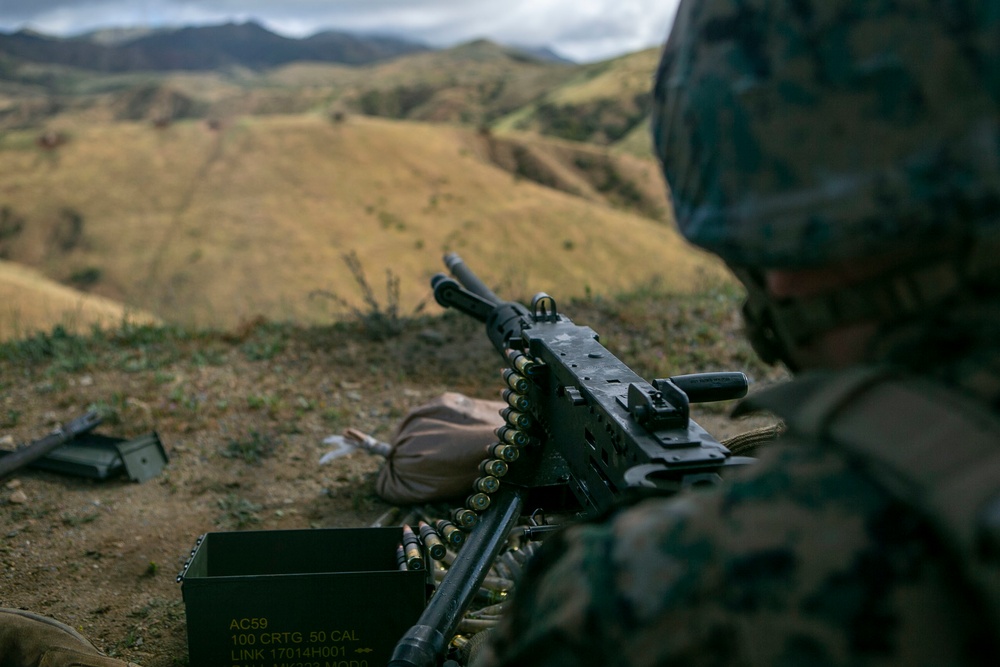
[213,226]
[472,84]
[478,84]
[210,197]
[32,303]
[605,103]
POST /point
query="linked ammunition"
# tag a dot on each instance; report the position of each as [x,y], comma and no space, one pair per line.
[524,364]
[492,584]
[477,502]
[523,554]
[476,616]
[490,597]
[432,543]
[401,558]
[387,519]
[516,419]
[504,451]
[498,584]
[411,547]
[513,566]
[450,533]
[515,380]
[410,517]
[502,570]
[519,402]
[472,625]
[464,519]
[488,484]
[492,610]
[494,467]
[512,436]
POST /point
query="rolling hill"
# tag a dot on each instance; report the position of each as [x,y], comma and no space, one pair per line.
[606,103]
[211,197]
[32,302]
[211,226]
[481,84]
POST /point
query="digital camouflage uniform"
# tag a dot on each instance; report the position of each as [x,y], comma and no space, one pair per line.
[793,134]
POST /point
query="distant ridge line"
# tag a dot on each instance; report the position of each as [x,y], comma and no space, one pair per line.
[211,47]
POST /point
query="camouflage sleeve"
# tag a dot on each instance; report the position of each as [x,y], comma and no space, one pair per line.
[800,562]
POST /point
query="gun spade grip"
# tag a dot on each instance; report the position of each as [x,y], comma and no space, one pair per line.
[709,387]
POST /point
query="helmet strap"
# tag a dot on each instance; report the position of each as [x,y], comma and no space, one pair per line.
[777,328]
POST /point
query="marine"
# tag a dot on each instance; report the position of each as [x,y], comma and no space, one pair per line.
[843,159]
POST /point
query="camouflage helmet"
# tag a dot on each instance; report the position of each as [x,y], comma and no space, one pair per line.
[799,133]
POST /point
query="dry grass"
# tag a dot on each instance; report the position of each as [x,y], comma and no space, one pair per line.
[621,77]
[211,228]
[32,303]
[614,86]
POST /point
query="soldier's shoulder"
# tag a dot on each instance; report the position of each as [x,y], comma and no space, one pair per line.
[803,545]
[799,559]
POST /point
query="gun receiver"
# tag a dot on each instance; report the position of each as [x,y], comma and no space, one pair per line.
[602,428]
[587,427]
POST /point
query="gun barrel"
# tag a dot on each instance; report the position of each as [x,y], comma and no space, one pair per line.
[468,279]
[426,640]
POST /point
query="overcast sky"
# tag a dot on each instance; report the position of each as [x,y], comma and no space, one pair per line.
[583,30]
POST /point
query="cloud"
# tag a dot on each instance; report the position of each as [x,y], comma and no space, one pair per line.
[582,29]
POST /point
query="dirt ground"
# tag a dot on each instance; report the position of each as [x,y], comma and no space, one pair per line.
[242,416]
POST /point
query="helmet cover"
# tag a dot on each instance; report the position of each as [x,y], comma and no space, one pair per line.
[797,133]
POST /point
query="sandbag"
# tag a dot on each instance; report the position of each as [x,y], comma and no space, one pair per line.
[437,448]
[30,640]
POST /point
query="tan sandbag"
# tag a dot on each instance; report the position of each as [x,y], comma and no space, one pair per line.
[30,640]
[437,448]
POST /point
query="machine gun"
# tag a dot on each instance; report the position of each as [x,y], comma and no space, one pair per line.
[582,428]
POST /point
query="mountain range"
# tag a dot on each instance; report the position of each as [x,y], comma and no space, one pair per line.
[206,48]
[210,196]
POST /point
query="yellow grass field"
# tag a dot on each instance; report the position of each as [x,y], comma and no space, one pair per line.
[624,76]
[32,303]
[210,227]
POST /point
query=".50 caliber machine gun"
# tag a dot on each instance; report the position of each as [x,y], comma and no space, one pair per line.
[582,429]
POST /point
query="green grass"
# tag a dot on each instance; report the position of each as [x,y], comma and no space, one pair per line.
[251,449]
[654,330]
[131,347]
[238,513]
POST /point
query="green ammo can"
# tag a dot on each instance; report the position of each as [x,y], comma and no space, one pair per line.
[271,598]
